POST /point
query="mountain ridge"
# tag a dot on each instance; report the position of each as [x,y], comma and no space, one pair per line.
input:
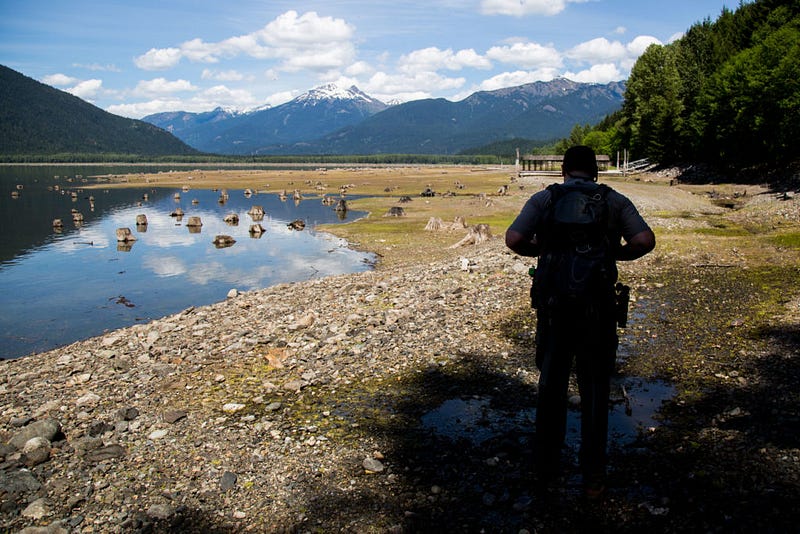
[332,120]
[38,119]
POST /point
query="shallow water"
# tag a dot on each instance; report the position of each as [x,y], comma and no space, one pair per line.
[474,420]
[59,287]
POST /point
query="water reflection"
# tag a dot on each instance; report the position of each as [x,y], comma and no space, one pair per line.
[56,287]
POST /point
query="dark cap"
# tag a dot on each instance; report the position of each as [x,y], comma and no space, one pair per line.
[580,158]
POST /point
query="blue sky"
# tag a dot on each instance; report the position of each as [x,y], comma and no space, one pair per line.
[137,57]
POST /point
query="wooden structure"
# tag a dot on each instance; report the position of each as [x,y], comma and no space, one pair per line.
[552,163]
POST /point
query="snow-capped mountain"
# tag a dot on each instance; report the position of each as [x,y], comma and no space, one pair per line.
[317,112]
[333,120]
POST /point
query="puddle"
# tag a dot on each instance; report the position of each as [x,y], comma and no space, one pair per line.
[633,408]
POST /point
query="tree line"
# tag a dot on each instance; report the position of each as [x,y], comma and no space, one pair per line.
[727,93]
[369,159]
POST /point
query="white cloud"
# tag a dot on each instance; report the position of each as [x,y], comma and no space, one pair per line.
[526,55]
[620,30]
[87,89]
[300,42]
[160,86]
[158,59]
[600,49]
[521,8]
[398,86]
[433,59]
[59,80]
[280,98]
[359,68]
[637,47]
[217,96]
[600,73]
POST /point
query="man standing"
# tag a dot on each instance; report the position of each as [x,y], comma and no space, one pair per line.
[575,229]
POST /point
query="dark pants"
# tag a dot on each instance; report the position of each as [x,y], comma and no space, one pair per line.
[589,337]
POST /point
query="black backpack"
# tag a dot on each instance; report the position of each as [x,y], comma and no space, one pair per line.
[576,267]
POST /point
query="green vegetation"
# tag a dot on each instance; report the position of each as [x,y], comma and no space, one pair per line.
[726,93]
[37,119]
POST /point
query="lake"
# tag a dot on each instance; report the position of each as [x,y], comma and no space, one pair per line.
[58,286]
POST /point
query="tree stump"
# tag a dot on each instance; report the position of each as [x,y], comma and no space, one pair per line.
[434,224]
[477,234]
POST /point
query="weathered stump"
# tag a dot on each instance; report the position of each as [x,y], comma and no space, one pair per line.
[222,241]
[477,234]
[395,211]
[297,224]
[124,235]
[256,213]
[434,224]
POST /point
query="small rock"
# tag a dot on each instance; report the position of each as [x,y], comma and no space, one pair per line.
[233,293]
[158,434]
[294,385]
[372,465]
[108,452]
[232,407]
[36,451]
[90,400]
[48,429]
[228,481]
[161,511]
[174,416]
[37,509]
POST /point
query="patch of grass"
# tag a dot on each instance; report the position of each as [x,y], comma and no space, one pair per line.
[787,240]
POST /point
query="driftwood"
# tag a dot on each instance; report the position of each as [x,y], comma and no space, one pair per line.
[477,234]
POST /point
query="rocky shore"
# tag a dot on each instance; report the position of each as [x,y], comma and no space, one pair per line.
[303,408]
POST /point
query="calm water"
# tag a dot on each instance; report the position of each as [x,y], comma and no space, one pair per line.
[59,287]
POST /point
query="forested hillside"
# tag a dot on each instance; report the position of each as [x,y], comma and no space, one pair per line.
[727,93]
[38,119]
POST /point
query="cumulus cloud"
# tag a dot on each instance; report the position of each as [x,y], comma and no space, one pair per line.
[433,59]
[526,55]
[158,59]
[299,42]
[213,97]
[87,89]
[59,80]
[600,73]
[599,49]
[637,47]
[521,8]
